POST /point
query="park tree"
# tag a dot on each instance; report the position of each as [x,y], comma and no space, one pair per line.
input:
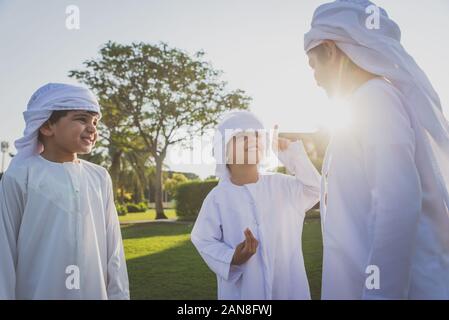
[172,183]
[160,94]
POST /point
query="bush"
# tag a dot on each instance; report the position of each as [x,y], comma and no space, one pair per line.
[143,206]
[121,209]
[132,207]
[136,207]
[190,196]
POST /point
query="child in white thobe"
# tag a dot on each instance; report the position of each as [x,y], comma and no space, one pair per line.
[273,209]
[59,231]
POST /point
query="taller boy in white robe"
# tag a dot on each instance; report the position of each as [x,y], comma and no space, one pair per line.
[59,231]
[385,200]
[273,208]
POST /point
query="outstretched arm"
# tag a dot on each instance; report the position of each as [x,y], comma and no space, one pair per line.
[294,157]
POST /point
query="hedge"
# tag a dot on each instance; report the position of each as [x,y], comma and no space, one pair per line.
[190,196]
[136,207]
[121,209]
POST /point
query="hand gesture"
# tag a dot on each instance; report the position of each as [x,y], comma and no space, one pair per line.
[279,144]
[245,249]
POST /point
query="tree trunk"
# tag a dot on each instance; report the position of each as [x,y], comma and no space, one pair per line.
[115,171]
[158,190]
[140,183]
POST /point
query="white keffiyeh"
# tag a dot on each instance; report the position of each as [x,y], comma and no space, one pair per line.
[50,97]
[380,52]
[232,123]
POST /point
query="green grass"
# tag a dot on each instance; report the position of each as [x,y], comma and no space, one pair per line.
[147,215]
[163,263]
[312,248]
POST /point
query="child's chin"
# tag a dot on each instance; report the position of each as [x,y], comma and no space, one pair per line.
[84,150]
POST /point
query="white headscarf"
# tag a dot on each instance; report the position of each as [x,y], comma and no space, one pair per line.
[232,124]
[48,98]
[380,52]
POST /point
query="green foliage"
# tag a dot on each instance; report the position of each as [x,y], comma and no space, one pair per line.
[143,206]
[153,96]
[190,196]
[153,90]
[122,210]
[171,184]
[136,207]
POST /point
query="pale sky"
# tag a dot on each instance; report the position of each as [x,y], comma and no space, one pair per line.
[257,43]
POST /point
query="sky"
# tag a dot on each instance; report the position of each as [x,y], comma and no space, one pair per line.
[258,44]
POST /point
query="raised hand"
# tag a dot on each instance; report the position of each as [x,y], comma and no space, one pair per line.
[245,249]
[279,144]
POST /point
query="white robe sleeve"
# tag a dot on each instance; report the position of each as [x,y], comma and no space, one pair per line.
[117,284]
[388,147]
[207,236]
[11,210]
[308,180]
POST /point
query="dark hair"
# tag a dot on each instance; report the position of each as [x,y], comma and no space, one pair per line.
[57,115]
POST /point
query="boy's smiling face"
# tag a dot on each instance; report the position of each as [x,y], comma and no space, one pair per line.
[75,132]
[245,148]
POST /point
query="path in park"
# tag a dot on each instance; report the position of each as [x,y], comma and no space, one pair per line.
[168,221]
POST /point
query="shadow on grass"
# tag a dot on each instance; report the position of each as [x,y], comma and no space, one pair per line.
[154,229]
[179,272]
[175,273]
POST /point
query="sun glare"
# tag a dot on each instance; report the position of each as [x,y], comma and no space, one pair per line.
[335,116]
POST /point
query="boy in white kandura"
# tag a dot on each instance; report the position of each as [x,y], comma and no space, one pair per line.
[59,231]
[249,228]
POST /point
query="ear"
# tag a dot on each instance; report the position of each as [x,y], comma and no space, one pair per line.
[46,129]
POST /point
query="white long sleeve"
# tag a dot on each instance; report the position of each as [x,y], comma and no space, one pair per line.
[298,163]
[11,210]
[397,204]
[117,284]
[207,236]
[388,146]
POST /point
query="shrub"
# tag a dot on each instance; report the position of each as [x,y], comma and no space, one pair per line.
[143,206]
[132,207]
[121,209]
[190,196]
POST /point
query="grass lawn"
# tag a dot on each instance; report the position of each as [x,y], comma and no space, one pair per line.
[147,215]
[163,264]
